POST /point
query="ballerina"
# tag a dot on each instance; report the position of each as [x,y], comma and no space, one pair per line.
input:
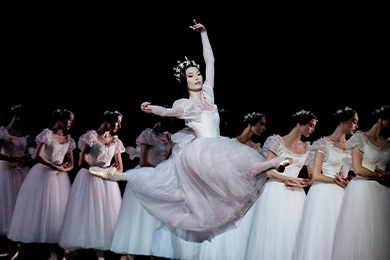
[210,181]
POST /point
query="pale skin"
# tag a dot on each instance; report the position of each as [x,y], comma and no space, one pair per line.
[294,144]
[375,136]
[58,135]
[338,139]
[105,138]
[250,130]
[194,81]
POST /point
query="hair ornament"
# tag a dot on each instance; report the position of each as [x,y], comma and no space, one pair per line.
[302,113]
[61,111]
[182,65]
[338,112]
[15,107]
[379,110]
[252,115]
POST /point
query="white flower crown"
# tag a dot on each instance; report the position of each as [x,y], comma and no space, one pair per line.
[251,115]
[183,64]
[379,110]
[342,110]
[301,113]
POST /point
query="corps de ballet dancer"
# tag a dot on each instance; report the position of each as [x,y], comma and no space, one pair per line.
[210,181]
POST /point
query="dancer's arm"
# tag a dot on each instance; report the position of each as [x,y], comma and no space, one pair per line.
[162,111]
[207,53]
[358,169]
[317,175]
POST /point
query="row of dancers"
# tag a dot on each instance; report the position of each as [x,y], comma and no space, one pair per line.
[203,195]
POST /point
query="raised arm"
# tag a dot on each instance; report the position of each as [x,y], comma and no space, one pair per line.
[207,53]
[162,111]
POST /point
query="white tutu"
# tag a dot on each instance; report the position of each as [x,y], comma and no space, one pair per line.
[203,190]
[363,230]
[91,213]
[316,233]
[11,179]
[135,227]
[40,206]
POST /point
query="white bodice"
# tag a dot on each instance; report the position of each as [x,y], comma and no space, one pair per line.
[13,145]
[54,151]
[333,156]
[100,154]
[275,144]
[372,155]
[204,123]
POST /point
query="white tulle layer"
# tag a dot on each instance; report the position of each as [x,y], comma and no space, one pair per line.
[203,189]
[40,206]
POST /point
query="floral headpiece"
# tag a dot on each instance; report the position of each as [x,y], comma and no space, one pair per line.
[15,107]
[342,110]
[182,65]
[302,113]
[379,110]
[252,115]
[108,113]
[60,111]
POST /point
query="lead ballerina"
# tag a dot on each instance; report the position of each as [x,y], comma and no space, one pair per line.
[210,181]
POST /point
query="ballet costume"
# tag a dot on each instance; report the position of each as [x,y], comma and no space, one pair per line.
[363,230]
[276,219]
[41,203]
[12,175]
[135,227]
[208,183]
[94,203]
[322,206]
[231,244]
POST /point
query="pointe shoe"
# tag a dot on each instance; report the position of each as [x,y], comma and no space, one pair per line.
[283,164]
[103,172]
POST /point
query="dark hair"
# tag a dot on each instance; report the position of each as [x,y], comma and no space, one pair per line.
[382,112]
[62,114]
[343,115]
[111,116]
[183,78]
[253,118]
[19,110]
[302,117]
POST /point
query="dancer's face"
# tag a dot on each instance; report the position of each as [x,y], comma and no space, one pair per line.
[259,127]
[308,129]
[115,125]
[351,125]
[67,123]
[194,79]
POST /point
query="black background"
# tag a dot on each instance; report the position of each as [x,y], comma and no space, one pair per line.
[272,59]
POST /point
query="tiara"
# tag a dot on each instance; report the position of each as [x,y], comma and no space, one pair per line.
[252,115]
[302,113]
[182,65]
[342,110]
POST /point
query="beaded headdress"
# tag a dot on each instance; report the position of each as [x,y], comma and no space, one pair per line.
[183,64]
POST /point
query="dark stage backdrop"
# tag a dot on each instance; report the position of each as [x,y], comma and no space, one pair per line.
[275,60]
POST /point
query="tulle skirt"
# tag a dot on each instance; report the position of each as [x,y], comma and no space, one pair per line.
[40,206]
[316,232]
[91,213]
[135,227]
[203,190]
[363,230]
[275,222]
[230,245]
[11,179]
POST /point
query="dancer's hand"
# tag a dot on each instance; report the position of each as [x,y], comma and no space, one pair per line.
[342,182]
[198,27]
[382,176]
[144,107]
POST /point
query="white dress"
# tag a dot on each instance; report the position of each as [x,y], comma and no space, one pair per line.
[135,227]
[41,203]
[12,175]
[94,203]
[276,219]
[322,206]
[363,230]
[206,185]
[231,244]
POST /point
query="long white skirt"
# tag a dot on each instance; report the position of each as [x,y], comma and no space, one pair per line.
[11,180]
[40,206]
[202,191]
[275,222]
[363,230]
[316,232]
[91,213]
